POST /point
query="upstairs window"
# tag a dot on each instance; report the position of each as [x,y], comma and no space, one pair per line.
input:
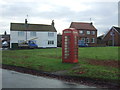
[50,34]
[93,32]
[20,41]
[88,32]
[20,33]
[81,31]
[32,33]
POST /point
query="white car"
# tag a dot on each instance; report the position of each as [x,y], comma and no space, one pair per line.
[5,44]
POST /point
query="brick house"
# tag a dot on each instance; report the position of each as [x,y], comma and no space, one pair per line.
[112,37]
[87,32]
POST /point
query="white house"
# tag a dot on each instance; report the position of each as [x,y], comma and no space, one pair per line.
[46,34]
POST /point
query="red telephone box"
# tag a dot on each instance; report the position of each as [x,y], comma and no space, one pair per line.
[70,46]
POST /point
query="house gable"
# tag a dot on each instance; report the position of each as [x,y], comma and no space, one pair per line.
[116,29]
[112,37]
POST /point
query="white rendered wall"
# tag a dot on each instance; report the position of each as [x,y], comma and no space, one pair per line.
[41,41]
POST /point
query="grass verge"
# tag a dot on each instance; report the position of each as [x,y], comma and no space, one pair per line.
[49,60]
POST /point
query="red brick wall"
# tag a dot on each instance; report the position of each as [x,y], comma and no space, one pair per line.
[90,36]
[108,38]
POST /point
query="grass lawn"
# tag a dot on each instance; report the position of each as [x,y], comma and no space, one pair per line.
[94,62]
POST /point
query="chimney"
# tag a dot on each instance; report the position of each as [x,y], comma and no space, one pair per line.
[52,23]
[26,21]
[91,23]
[5,33]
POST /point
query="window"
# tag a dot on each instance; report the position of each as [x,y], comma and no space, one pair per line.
[88,32]
[50,42]
[93,32]
[83,39]
[20,33]
[32,33]
[87,40]
[50,34]
[81,32]
[93,40]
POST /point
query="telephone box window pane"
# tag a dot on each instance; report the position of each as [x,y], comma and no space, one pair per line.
[65,57]
[65,36]
[67,31]
[66,48]
[75,32]
[66,39]
[66,43]
[66,51]
[65,54]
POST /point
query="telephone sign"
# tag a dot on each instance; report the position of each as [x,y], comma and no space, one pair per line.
[70,46]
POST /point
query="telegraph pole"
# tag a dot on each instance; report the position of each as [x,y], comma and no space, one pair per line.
[26,27]
[112,35]
[113,38]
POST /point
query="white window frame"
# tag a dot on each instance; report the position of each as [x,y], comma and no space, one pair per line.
[21,33]
[32,34]
[93,40]
[50,42]
[87,40]
[50,34]
[83,39]
[93,32]
[81,31]
[88,32]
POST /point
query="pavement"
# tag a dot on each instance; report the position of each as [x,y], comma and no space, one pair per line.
[13,79]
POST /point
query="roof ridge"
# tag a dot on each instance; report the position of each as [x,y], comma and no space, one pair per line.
[32,27]
[81,22]
[83,25]
[32,24]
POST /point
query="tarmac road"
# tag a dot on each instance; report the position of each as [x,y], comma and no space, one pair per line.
[12,79]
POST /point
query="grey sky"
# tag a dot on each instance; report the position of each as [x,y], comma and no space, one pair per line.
[103,14]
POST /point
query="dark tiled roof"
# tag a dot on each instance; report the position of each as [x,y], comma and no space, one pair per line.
[117,28]
[31,27]
[82,26]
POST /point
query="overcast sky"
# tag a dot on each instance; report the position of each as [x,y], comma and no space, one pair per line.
[103,14]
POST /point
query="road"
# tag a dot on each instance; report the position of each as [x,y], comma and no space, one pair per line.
[12,79]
